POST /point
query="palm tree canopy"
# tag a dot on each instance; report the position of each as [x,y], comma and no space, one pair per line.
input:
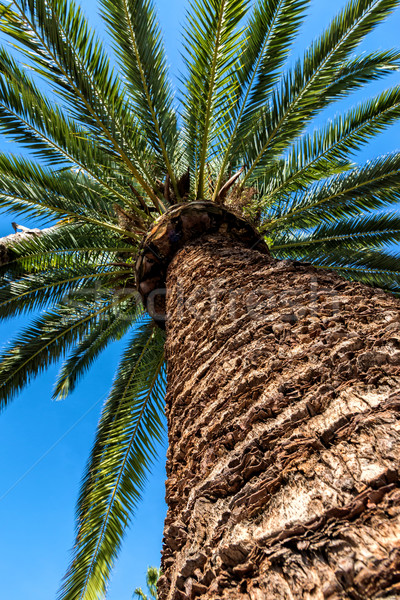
[152,576]
[111,149]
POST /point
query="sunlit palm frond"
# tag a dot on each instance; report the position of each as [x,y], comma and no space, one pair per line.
[304,90]
[138,43]
[378,268]
[130,429]
[267,41]
[372,186]
[323,150]
[38,291]
[365,231]
[56,37]
[33,120]
[358,71]
[44,342]
[212,42]
[110,329]
[28,188]
[60,246]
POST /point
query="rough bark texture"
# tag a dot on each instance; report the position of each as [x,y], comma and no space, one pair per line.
[283,411]
[180,225]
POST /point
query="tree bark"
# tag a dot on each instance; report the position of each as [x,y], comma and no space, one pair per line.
[283,405]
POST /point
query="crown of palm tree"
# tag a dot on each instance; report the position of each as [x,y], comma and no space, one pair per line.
[112,150]
[152,576]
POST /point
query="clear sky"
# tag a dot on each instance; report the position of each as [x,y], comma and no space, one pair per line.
[44,445]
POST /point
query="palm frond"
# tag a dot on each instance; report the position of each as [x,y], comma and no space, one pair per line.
[365,231]
[324,149]
[303,91]
[62,27]
[44,342]
[31,119]
[112,327]
[35,191]
[34,121]
[139,46]
[212,41]
[60,246]
[37,291]
[375,267]
[130,428]
[271,30]
[53,34]
[370,187]
[68,193]
[361,70]
[268,36]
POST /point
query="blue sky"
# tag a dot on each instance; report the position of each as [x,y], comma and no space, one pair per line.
[44,444]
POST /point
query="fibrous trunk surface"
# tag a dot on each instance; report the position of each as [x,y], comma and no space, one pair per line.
[283,411]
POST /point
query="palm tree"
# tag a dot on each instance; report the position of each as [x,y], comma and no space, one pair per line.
[152,576]
[283,364]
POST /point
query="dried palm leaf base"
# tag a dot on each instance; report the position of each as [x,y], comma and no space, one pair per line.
[180,225]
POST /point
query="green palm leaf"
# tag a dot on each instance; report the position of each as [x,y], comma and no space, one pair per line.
[49,32]
[365,231]
[212,42]
[27,189]
[268,36]
[356,72]
[323,150]
[111,328]
[59,29]
[63,246]
[139,46]
[374,267]
[48,193]
[130,428]
[305,90]
[33,120]
[44,342]
[373,186]
[37,291]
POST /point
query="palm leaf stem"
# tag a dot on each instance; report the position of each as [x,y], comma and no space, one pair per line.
[126,455]
[208,113]
[307,86]
[142,182]
[150,103]
[273,222]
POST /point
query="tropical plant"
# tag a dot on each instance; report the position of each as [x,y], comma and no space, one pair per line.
[111,150]
[152,576]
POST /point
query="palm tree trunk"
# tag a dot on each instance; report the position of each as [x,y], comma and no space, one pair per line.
[283,410]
